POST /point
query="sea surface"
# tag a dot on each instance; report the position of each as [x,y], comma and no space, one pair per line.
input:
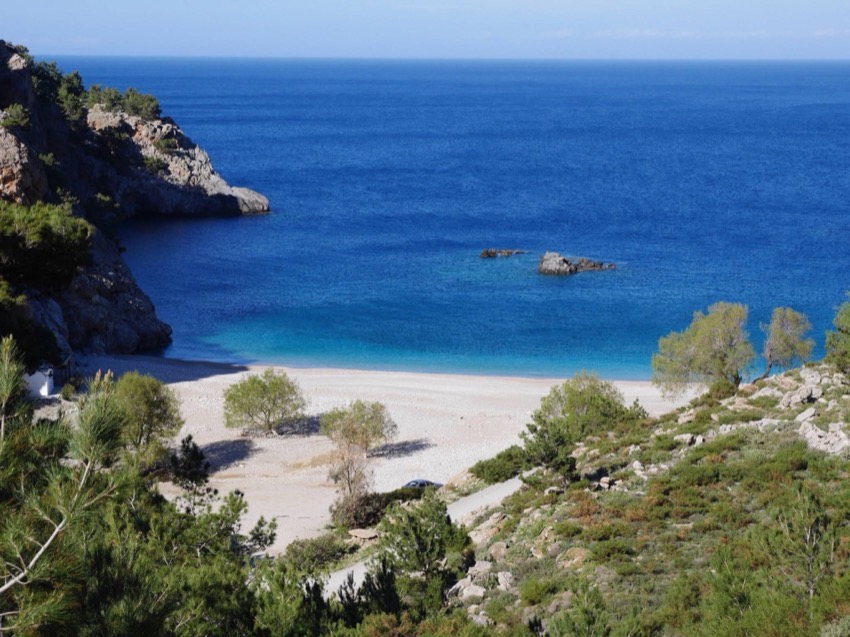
[701,181]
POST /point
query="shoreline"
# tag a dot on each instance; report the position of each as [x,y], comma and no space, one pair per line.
[446,423]
[497,372]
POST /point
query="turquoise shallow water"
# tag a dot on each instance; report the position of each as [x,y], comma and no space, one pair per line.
[701,181]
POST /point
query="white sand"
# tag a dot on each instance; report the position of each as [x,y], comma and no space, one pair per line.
[446,423]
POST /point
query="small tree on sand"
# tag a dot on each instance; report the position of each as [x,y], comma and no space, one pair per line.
[784,342]
[263,401]
[713,348]
[151,414]
[355,430]
[361,424]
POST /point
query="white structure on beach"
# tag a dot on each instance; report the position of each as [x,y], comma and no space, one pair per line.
[41,382]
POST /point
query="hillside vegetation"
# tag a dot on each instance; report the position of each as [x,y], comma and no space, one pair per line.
[726,517]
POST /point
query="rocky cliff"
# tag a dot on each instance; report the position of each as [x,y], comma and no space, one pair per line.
[110,166]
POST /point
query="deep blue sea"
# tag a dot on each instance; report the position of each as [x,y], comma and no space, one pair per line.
[701,181]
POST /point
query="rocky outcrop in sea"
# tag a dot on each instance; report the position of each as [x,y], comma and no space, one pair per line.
[554,264]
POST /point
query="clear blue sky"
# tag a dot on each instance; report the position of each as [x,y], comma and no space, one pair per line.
[631,29]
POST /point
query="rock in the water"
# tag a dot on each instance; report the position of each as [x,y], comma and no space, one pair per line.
[554,263]
[492,253]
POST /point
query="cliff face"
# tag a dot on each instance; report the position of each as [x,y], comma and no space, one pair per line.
[111,166]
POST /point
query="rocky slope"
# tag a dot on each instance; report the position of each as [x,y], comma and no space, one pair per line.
[648,522]
[110,166]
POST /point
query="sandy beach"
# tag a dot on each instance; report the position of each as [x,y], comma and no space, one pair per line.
[445,424]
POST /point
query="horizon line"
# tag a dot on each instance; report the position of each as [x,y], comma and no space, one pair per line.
[328,58]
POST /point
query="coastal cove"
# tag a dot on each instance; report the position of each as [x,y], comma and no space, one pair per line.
[701,181]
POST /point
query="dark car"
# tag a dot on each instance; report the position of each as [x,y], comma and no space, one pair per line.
[419,483]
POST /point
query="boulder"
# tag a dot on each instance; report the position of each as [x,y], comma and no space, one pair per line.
[552,263]
[685,439]
[505,580]
[498,550]
[808,414]
[834,442]
[488,528]
[803,394]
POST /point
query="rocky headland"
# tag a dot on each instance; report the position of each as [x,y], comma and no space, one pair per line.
[107,165]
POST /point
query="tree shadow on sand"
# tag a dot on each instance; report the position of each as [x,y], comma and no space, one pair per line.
[223,454]
[401,449]
[308,426]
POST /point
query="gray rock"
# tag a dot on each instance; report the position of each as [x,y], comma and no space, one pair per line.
[553,263]
[105,311]
[481,619]
[492,253]
[473,590]
[487,529]
[767,392]
[497,551]
[685,439]
[22,176]
[479,569]
[808,414]
[833,442]
[801,395]
[505,580]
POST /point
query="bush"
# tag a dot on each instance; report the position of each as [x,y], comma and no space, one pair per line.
[503,466]
[263,401]
[582,406]
[368,510]
[155,165]
[42,245]
[107,98]
[317,554]
[68,392]
[16,116]
[166,145]
[140,104]
[536,590]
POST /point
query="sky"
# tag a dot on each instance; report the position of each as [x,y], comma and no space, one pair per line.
[513,29]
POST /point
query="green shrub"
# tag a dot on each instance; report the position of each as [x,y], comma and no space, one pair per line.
[68,392]
[735,417]
[566,529]
[140,104]
[368,510]
[601,532]
[155,165]
[17,116]
[612,550]
[317,554]
[665,442]
[536,590]
[108,98]
[166,145]
[42,245]
[503,466]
